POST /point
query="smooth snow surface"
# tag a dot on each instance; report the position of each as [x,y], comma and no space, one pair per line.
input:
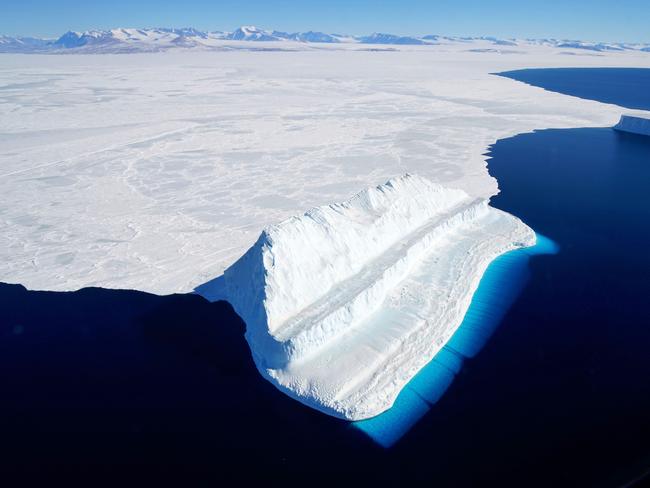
[635,125]
[157,171]
[344,304]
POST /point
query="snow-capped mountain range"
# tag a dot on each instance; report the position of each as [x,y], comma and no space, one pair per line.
[160,39]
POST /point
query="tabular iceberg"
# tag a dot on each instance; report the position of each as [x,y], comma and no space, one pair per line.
[635,125]
[344,304]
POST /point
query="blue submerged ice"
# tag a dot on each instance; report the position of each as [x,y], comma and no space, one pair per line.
[500,286]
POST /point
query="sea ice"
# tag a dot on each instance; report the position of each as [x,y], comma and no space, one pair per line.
[344,304]
[156,172]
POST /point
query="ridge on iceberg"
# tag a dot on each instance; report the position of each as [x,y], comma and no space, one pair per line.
[344,304]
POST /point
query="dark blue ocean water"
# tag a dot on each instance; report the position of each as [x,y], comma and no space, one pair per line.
[627,87]
[551,389]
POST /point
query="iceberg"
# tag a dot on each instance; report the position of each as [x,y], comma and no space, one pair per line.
[500,286]
[634,125]
[345,304]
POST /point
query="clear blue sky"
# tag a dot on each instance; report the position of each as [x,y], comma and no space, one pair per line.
[602,20]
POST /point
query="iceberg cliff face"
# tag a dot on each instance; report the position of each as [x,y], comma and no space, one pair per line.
[635,125]
[344,304]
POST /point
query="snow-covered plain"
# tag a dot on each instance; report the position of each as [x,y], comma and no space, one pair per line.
[157,171]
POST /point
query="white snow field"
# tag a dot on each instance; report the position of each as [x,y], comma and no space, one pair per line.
[158,171]
[344,304]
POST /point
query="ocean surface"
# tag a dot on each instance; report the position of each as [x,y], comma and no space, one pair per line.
[627,87]
[551,389]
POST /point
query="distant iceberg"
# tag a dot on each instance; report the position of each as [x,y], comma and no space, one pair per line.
[635,125]
[345,304]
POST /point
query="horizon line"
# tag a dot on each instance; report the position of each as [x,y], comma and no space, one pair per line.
[414,36]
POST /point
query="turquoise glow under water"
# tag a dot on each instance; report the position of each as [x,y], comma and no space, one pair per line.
[499,287]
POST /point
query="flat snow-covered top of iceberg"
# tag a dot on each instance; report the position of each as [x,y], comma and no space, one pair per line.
[344,304]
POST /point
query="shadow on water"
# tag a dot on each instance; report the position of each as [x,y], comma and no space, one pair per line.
[106,378]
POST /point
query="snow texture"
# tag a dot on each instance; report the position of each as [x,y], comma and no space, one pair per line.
[157,171]
[344,304]
[635,125]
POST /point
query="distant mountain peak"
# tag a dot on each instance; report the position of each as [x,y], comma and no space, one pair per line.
[122,39]
[382,38]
